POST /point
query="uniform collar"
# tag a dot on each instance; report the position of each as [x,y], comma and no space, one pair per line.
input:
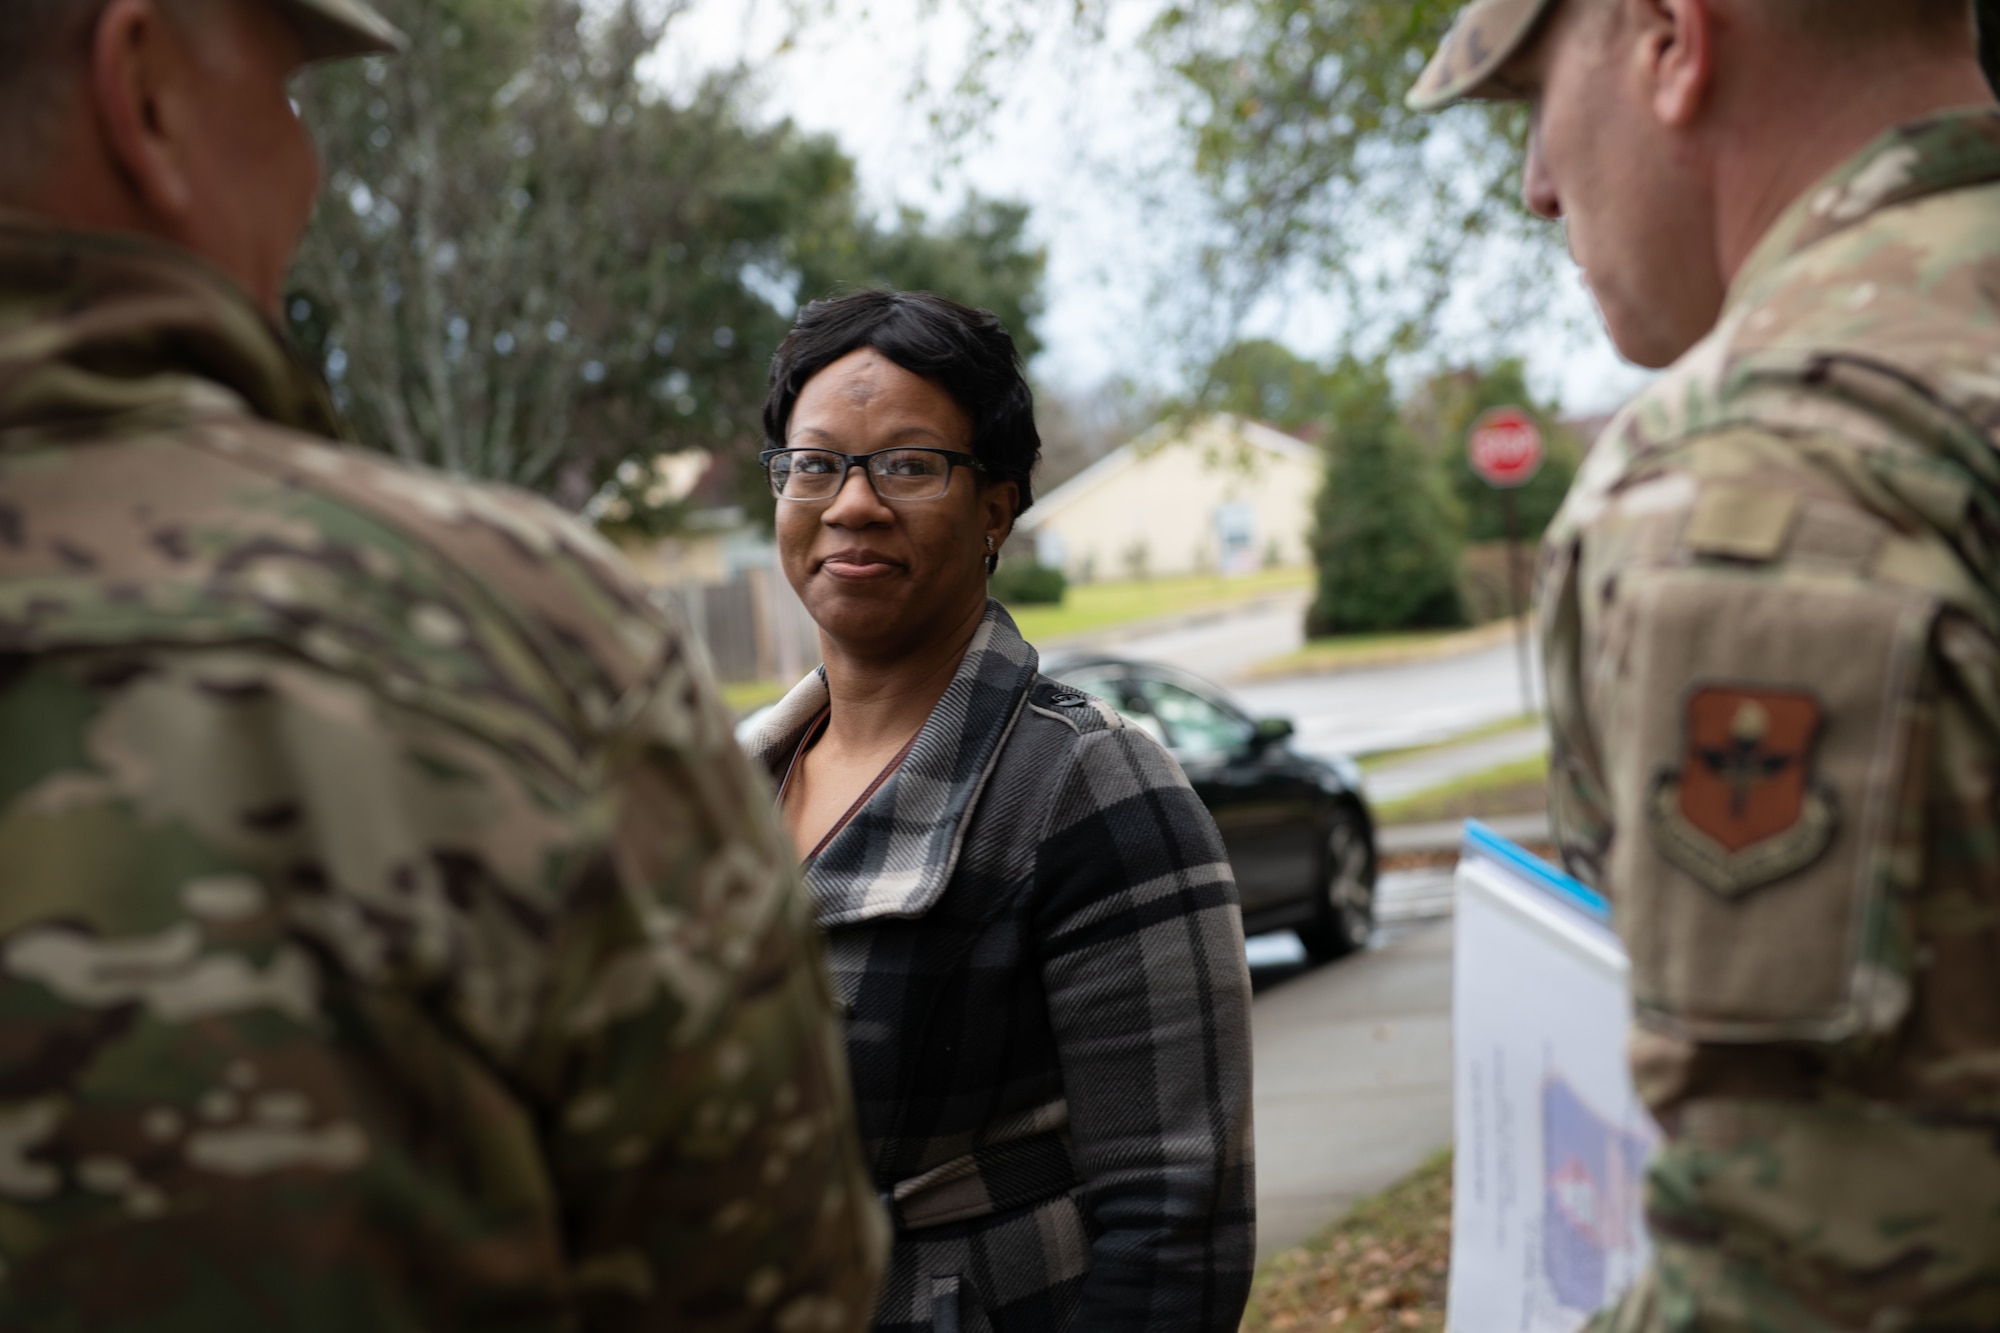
[95,325]
[1951,151]
[898,853]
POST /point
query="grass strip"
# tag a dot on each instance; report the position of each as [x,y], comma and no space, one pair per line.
[746,695]
[1520,787]
[1380,758]
[1382,1267]
[1352,651]
[1090,607]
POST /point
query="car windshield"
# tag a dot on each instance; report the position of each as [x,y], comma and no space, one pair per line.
[1196,726]
[1111,685]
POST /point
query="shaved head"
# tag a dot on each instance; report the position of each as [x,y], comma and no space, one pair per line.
[1864,25]
[44,45]
[44,60]
[1850,27]
[171,119]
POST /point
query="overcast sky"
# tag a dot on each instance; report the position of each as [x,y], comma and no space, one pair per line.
[1089,141]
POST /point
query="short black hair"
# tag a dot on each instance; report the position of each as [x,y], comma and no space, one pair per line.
[967,352]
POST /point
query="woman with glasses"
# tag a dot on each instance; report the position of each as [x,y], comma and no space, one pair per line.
[1032,928]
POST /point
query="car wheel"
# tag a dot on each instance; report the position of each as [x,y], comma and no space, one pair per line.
[1346,907]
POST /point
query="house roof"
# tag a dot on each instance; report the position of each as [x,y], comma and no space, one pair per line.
[1164,436]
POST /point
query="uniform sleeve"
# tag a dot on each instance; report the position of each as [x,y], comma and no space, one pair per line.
[1149,995]
[1788,717]
[316,1012]
[708,1142]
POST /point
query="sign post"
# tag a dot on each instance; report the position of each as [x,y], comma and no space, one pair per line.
[1505,450]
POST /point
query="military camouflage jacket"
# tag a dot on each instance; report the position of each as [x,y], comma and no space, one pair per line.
[1772,632]
[391,936]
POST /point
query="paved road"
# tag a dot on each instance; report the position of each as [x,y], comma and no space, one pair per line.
[1353,1075]
[1353,712]
[1216,644]
[1392,707]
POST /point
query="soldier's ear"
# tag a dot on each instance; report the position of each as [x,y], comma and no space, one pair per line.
[1678,51]
[143,80]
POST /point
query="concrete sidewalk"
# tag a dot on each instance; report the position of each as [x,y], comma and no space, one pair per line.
[1353,1080]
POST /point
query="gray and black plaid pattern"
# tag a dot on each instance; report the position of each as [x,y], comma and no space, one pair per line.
[1033,924]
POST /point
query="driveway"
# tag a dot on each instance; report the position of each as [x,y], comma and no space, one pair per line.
[1218,643]
[1353,1072]
[1390,708]
[1354,712]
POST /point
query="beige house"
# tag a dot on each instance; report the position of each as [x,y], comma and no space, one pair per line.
[1221,495]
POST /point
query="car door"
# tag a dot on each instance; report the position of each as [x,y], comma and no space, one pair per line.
[1258,802]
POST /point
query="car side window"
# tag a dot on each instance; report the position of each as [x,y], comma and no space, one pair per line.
[1115,688]
[1197,727]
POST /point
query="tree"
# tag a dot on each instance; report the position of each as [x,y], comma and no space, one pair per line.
[1078,427]
[1315,167]
[531,265]
[1386,537]
[1266,381]
[982,257]
[1312,170]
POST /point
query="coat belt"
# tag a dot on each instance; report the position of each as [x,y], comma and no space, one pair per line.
[995,1178]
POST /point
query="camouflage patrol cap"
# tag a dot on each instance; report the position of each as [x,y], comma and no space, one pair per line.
[334,29]
[1486,36]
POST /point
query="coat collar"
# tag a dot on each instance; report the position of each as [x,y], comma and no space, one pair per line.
[901,849]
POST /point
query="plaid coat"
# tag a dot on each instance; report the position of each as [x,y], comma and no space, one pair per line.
[1034,933]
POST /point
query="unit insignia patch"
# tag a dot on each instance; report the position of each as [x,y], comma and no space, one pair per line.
[1743,808]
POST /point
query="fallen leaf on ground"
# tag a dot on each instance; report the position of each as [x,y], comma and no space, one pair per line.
[1382,1268]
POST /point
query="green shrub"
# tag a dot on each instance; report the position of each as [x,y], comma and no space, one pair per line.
[1029,585]
[1387,535]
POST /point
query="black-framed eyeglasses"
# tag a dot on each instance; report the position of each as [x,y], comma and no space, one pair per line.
[896,474]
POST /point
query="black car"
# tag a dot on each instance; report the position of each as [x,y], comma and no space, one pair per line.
[1298,829]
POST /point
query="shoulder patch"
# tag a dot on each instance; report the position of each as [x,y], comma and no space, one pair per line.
[1740,522]
[1744,806]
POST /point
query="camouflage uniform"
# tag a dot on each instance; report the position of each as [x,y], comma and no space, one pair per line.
[1771,617]
[392,936]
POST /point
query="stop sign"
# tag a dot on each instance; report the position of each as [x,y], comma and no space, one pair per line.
[1505,447]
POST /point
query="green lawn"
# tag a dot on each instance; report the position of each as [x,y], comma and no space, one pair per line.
[1517,788]
[1090,607]
[1382,1267]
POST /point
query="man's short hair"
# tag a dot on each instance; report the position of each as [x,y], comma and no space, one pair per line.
[44,51]
[968,352]
[43,46]
[1863,23]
